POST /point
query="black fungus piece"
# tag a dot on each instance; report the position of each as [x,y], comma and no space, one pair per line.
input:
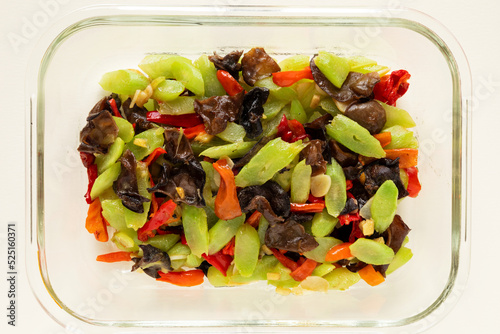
[256,64]
[353,172]
[355,266]
[277,198]
[99,132]
[355,87]
[313,154]
[380,171]
[126,185]
[182,178]
[316,130]
[216,111]
[342,232]
[359,192]
[228,63]
[253,110]
[138,116]
[253,151]
[152,261]
[351,206]
[290,236]
[182,183]
[343,155]
[261,204]
[301,217]
[370,115]
[204,266]
[394,237]
[177,146]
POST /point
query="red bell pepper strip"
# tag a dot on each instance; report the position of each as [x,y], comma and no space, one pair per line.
[230,85]
[114,257]
[391,87]
[313,199]
[229,248]
[226,203]
[182,278]
[164,213]
[114,108]
[384,138]
[289,263]
[371,276]
[339,252]
[154,155]
[307,207]
[219,260]
[305,270]
[414,185]
[288,78]
[185,121]
[95,223]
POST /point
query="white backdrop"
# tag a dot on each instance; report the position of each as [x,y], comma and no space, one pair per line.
[474,23]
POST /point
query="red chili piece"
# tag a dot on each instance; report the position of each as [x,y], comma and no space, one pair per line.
[288,78]
[313,199]
[391,87]
[348,218]
[114,108]
[153,156]
[163,214]
[219,260]
[230,85]
[414,185]
[185,121]
[289,263]
[307,207]
[291,130]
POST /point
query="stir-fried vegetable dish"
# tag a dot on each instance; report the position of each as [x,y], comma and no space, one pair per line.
[235,168]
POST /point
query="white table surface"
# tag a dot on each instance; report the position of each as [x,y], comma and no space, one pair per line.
[475,24]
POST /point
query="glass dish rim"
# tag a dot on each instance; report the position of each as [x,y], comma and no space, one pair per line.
[401,18]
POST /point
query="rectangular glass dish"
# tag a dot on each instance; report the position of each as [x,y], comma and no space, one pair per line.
[97,297]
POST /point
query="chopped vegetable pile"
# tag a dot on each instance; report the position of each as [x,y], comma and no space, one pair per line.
[240,169]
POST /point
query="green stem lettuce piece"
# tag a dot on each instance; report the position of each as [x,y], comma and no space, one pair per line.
[354,137]
[298,112]
[333,67]
[164,242]
[222,232]
[235,150]
[400,138]
[209,74]
[126,240]
[264,266]
[168,90]
[371,251]
[194,221]
[323,224]
[112,211]
[233,133]
[294,63]
[125,129]
[301,182]
[179,106]
[263,226]
[336,197]
[146,142]
[190,76]
[178,255]
[124,82]
[396,116]
[160,65]
[246,250]
[105,180]
[104,161]
[271,158]
[341,278]
[384,205]
[402,256]
[323,269]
